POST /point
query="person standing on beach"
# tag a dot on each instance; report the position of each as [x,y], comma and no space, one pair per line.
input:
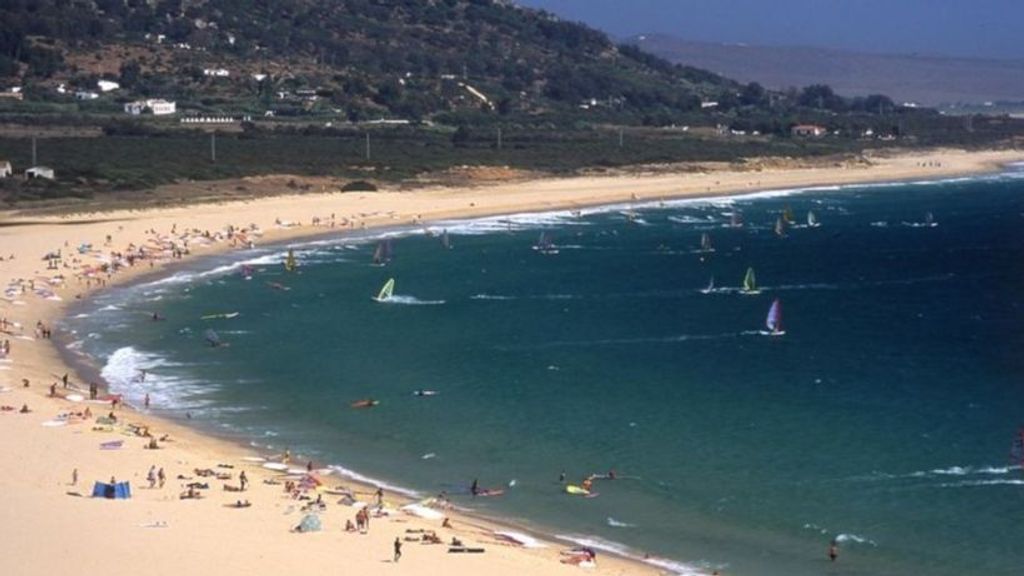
[833,550]
[145,401]
[151,477]
[243,480]
[398,549]
[380,496]
[74,477]
[161,477]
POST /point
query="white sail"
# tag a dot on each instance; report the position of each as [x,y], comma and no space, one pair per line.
[386,291]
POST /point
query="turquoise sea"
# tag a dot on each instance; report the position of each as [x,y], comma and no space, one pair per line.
[883,418]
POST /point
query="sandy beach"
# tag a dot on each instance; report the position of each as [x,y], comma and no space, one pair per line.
[52,525]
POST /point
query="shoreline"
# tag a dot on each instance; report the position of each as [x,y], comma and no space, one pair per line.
[439,204]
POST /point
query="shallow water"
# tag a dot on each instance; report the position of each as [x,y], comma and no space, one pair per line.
[882,418]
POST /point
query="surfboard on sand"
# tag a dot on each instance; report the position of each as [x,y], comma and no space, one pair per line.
[278,466]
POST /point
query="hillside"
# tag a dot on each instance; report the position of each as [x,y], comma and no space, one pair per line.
[410,59]
[930,81]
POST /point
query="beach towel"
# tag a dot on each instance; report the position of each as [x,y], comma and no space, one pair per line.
[117,491]
[310,523]
[112,445]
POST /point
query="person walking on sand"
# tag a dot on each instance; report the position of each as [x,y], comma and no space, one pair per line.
[243,480]
[398,549]
[161,477]
[833,550]
[74,477]
[151,477]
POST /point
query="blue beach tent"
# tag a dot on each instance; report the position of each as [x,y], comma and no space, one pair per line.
[119,491]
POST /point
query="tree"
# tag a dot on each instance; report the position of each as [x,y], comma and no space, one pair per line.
[131,72]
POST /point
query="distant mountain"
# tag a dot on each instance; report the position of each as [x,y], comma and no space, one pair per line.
[926,80]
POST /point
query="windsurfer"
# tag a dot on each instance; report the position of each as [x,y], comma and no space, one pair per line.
[474,489]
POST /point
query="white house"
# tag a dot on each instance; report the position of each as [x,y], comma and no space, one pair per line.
[86,95]
[39,172]
[5,169]
[157,107]
[107,85]
[161,107]
[259,77]
[135,108]
[216,72]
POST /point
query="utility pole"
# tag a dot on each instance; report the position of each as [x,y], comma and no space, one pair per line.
[367,145]
[213,147]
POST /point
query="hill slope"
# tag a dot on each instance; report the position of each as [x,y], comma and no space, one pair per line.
[927,80]
[408,58]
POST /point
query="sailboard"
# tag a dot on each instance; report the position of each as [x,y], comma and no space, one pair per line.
[774,320]
[812,220]
[212,338]
[386,291]
[780,227]
[787,215]
[544,245]
[705,243]
[382,253]
[366,403]
[735,220]
[710,288]
[289,261]
[1017,449]
[750,283]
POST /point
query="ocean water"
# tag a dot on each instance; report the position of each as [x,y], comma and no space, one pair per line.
[883,417]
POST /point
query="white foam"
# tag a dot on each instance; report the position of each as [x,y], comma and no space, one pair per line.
[422,511]
[855,538]
[524,540]
[672,566]
[411,301]
[122,372]
[342,471]
[972,483]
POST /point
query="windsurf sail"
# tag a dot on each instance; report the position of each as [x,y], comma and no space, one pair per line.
[705,243]
[445,240]
[289,262]
[378,254]
[780,227]
[1017,449]
[711,286]
[929,219]
[812,220]
[774,319]
[735,221]
[544,244]
[386,291]
[750,281]
[787,215]
[212,338]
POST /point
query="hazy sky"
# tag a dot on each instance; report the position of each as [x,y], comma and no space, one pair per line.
[978,28]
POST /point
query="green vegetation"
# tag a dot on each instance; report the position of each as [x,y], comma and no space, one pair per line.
[310,76]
